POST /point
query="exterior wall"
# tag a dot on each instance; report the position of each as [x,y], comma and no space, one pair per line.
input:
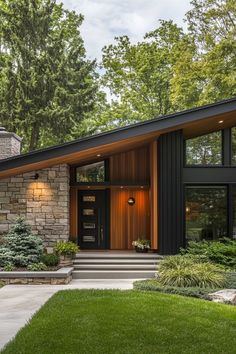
[170,169]
[43,202]
[10,145]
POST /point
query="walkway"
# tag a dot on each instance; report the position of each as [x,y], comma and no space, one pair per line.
[18,303]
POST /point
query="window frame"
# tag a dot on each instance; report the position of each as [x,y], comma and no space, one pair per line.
[74,182]
[229,205]
[207,165]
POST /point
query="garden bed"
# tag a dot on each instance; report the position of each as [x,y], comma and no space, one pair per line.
[55,277]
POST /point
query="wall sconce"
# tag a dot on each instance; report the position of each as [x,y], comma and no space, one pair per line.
[131,201]
[33,177]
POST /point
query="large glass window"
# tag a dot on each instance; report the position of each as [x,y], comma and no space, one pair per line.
[206,212]
[234,212]
[233,138]
[204,150]
[94,172]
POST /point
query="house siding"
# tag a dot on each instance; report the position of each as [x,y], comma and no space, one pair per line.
[43,202]
[170,168]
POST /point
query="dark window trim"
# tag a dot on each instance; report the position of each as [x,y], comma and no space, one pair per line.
[208,165]
[73,181]
[229,205]
[230,211]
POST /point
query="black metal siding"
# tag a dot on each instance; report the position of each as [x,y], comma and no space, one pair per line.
[170,170]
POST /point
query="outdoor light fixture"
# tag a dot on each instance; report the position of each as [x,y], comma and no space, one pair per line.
[221,121]
[131,201]
[33,177]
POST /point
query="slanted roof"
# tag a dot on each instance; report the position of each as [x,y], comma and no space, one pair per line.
[194,121]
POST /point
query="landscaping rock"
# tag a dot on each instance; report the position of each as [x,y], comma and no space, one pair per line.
[226,296]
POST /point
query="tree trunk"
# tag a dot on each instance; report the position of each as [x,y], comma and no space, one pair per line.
[34,138]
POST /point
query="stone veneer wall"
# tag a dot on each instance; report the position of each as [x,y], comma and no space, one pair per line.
[10,145]
[43,202]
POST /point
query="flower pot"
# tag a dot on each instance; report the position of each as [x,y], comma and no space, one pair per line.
[66,260]
[141,250]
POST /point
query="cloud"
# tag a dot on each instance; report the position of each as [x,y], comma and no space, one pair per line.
[106,19]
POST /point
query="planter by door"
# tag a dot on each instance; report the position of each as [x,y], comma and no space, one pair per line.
[141,250]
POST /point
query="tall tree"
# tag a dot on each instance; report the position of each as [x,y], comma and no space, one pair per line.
[47,85]
[140,74]
[212,68]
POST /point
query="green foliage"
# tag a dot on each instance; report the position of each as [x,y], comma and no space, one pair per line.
[50,260]
[6,256]
[221,252]
[21,246]
[36,267]
[141,243]
[9,267]
[66,248]
[155,285]
[182,271]
[47,86]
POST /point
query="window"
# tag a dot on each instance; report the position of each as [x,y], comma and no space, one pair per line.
[204,150]
[206,212]
[234,212]
[233,138]
[94,172]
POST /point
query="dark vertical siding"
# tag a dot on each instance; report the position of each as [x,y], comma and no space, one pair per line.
[170,170]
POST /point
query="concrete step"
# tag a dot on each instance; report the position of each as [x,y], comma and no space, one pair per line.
[113,274]
[108,267]
[115,261]
[111,255]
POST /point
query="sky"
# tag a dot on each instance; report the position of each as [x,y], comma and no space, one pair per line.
[106,19]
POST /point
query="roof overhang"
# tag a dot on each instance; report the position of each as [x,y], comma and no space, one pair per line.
[193,122]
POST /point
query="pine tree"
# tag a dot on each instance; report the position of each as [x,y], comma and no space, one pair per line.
[47,85]
[23,247]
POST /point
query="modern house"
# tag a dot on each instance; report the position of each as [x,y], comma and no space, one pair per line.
[169,179]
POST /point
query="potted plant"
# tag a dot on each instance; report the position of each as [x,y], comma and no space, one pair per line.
[141,245]
[66,250]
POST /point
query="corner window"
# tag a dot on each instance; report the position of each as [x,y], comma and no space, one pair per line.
[205,150]
[94,172]
[206,212]
[233,139]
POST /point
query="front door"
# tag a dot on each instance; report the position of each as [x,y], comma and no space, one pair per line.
[93,219]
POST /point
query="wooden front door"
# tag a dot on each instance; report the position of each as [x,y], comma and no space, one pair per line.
[93,219]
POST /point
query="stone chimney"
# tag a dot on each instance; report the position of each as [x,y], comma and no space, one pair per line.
[10,144]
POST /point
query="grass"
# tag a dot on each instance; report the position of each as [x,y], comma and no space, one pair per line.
[127,322]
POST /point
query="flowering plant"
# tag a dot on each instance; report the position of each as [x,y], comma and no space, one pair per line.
[141,243]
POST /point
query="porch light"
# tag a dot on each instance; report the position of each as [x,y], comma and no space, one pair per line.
[131,201]
[33,177]
[187,210]
[221,121]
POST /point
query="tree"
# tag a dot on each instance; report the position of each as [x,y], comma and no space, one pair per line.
[47,85]
[21,246]
[212,69]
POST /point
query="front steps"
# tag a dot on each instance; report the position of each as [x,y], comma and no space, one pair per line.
[115,265]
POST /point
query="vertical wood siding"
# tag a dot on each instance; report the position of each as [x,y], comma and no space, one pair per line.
[170,162]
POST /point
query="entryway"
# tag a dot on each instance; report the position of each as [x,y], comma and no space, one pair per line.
[93,219]
[115,265]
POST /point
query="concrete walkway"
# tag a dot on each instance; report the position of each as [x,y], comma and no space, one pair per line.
[18,303]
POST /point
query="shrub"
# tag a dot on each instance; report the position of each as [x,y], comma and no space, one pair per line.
[21,246]
[51,260]
[9,267]
[182,271]
[37,267]
[66,248]
[6,256]
[220,252]
[154,285]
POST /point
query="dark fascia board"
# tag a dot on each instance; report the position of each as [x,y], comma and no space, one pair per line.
[138,129]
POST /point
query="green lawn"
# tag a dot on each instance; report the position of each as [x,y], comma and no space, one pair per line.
[127,322]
